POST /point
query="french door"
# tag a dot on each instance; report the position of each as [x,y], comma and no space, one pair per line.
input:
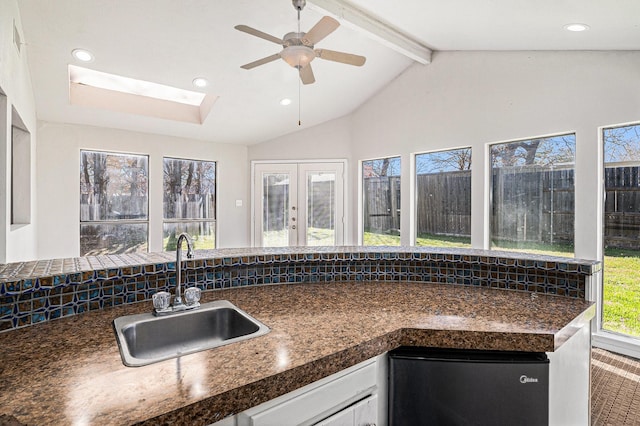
[298,204]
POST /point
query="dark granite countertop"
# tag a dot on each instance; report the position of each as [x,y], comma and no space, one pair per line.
[69,371]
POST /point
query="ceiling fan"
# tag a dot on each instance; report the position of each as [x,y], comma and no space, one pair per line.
[298,47]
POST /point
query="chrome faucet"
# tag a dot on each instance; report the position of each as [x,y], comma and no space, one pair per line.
[162,299]
[178,305]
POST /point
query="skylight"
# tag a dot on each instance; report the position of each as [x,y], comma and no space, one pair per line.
[132,86]
[123,94]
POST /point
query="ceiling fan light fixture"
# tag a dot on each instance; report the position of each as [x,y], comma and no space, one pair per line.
[298,56]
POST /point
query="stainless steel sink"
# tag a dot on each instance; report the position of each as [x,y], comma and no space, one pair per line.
[144,338]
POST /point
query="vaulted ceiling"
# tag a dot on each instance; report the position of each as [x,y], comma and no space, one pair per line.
[172,42]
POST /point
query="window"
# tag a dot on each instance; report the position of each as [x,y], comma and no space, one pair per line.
[532,195]
[113,203]
[621,277]
[381,202]
[189,202]
[443,198]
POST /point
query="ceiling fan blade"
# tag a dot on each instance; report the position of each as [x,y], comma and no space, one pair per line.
[306,75]
[258,33]
[345,58]
[323,28]
[261,61]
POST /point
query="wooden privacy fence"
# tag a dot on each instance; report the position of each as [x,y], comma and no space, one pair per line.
[381,206]
[622,207]
[443,204]
[531,203]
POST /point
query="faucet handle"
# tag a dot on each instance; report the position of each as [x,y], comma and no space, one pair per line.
[162,301]
[192,296]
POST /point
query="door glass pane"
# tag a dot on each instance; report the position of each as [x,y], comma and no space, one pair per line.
[441,218]
[532,206]
[321,207]
[275,209]
[381,202]
[621,286]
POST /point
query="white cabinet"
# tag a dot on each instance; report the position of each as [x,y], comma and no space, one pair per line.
[340,399]
[363,413]
[366,412]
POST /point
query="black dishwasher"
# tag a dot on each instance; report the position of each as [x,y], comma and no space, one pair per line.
[465,387]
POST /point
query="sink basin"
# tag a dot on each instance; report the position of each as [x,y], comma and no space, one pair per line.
[144,338]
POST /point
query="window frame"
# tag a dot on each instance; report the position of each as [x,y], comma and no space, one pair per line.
[186,221]
[361,195]
[490,176]
[116,221]
[414,190]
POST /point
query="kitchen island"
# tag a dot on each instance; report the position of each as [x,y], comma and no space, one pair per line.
[69,371]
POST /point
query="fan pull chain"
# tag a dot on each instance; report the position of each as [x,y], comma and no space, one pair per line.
[299,103]
[299,91]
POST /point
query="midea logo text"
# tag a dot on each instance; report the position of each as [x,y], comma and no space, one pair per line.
[525,379]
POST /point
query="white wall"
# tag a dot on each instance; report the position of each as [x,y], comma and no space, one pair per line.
[17,242]
[331,140]
[58,186]
[476,98]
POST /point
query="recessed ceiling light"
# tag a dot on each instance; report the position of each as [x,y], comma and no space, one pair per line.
[200,82]
[285,102]
[82,55]
[576,27]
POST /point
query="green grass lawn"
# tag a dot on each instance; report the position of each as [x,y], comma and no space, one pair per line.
[621,310]
[199,242]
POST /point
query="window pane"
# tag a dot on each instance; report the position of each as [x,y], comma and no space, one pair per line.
[443,198]
[381,201]
[275,210]
[189,189]
[203,234]
[533,195]
[107,238]
[113,186]
[321,221]
[621,277]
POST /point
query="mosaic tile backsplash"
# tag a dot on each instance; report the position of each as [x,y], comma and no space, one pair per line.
[33,292]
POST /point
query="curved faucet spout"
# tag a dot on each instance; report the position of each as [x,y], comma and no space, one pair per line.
[177,301]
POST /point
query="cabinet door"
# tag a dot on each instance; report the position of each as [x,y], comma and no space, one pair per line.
[311,402]
[366,412]
[343,418]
